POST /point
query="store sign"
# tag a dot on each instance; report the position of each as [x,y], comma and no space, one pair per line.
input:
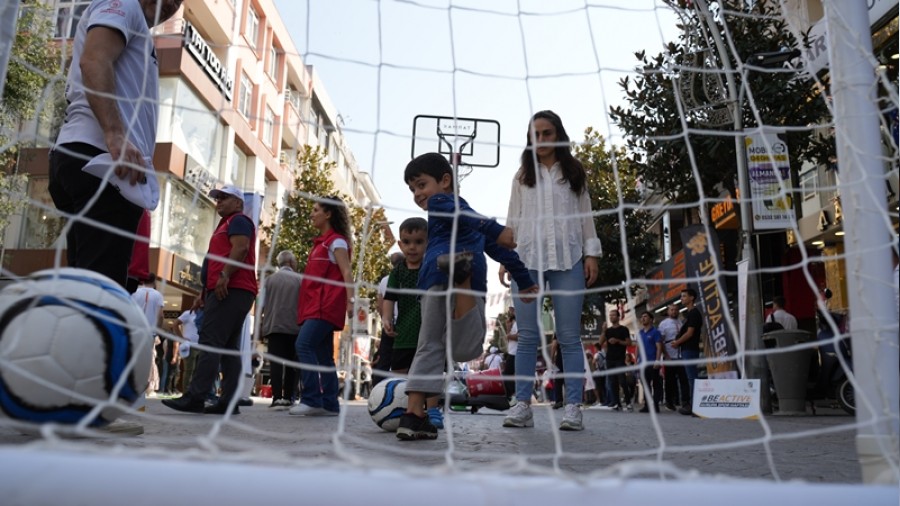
[200,50]
[668,281]
[817,52]
[768,164]
[723,214]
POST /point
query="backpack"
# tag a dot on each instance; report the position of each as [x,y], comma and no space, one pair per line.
[772,325]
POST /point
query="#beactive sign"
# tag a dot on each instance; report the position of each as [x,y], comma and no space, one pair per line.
[726,398]
[207,59]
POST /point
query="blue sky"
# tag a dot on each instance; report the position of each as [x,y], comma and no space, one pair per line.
[384,62]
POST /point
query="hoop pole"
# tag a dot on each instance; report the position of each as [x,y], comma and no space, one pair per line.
[868,241]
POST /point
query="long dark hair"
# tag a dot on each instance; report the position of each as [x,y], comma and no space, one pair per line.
[340,220]
[572,170]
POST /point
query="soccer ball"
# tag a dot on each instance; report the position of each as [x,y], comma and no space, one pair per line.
[387,403]
[72,344]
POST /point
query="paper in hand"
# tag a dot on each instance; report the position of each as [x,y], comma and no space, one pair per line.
[144,193]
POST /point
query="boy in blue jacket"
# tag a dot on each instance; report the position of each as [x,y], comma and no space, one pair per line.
[458,238]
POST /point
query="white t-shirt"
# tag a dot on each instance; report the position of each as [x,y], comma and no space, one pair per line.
[336,245]
[669,328]
[382,289]
[513,346]
[493,361]
[151,303]
[786,319]
[190,331]
[136,75]
[553,226]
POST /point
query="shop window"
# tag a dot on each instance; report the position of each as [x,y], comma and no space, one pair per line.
[190,222]
[68,13]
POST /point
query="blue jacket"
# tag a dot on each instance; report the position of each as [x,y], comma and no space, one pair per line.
[474,233]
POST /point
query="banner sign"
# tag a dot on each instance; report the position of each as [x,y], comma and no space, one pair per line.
[699,248]
[726,398]
[360,324]
[769,168]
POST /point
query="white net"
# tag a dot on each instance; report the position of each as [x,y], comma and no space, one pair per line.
[717,158]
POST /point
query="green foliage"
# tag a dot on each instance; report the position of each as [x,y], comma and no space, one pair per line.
[294,230]
[658,134]
[33,61]
[612,180]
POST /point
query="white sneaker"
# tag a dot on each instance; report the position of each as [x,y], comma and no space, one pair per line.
[306,410]
[572,419]
[519,416]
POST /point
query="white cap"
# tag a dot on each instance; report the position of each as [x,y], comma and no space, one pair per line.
[494,349]
[229,190]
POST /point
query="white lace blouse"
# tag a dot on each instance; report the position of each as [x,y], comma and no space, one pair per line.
[553,226]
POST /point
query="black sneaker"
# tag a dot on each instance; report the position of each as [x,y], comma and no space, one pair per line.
[462,269]
[413,428]
[184,403]
[686,411]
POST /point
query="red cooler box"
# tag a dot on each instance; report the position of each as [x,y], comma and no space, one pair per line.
[485,383]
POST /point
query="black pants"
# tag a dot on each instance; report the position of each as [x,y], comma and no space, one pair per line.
[676,379]
[509,371]
[617,379]
[284,378]
[385,355]
[652,383]
[89,247]
[223,321]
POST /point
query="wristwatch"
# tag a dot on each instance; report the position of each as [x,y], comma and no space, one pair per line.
[223,274]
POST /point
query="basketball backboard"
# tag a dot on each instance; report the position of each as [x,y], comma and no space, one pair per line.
[475,142]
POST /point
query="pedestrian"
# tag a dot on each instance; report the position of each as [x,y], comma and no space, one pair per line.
[550,214]
[327,290]
[688,342]
[229,289]
[780,315]
[617,339]
[674,378]
[112,96]
[151,302]
[382,357]
[453,228]
[186,329]
[509,358]
[279,328]
[493,360]
[650,359]
[401,310]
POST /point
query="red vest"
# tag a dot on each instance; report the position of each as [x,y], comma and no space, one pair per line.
[220,247]
[319,300]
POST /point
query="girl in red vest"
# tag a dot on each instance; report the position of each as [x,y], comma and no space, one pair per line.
[325,294]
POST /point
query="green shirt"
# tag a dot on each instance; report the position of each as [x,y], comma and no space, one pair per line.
[409,312]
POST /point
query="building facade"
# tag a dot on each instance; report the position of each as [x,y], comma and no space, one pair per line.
[237,103]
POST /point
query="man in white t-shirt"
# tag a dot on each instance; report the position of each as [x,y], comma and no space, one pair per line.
[186,328]
[112,92]
[787,320]
[151,302]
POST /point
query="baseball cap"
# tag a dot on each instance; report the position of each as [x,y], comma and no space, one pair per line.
[227,191]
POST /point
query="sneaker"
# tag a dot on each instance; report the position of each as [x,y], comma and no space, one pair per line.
[307,410]
[462,268]
[670,407]
[572,419]
[280,404]
[629,408]
[245,402]
[686,411]
[519,416]
[413,428]
[436,417]
[558,405]
[644,409]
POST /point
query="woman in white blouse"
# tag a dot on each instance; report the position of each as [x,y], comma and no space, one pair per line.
[550,213]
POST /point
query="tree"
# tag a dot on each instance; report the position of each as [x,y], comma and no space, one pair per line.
[612,180]
[33,63]
[656,131]
[294,231]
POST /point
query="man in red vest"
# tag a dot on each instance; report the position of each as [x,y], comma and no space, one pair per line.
[229,288]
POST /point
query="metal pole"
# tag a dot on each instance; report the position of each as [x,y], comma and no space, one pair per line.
[756,365]
[868,241]
[9,15]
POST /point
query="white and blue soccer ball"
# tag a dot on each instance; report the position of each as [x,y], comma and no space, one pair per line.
[72,344]
[387,403]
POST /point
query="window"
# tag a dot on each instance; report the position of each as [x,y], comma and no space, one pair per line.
[190,222]
[313,126]
[252,32]
[269,128]
[273,63]
[245,99]
[68,13]
[187,121]
[293,96]
[808,182]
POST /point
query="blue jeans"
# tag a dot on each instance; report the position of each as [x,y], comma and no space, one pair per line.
[691,371]
[567,309]
[315,346]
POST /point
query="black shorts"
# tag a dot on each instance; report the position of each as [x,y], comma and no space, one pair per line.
[402,359]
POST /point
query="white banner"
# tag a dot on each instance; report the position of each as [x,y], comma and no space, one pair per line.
[726,398]
[743,269]
[769,168]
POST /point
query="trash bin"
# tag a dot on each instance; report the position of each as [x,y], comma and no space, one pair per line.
[790,369]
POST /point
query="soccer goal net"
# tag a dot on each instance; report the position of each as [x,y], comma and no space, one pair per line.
[737,161]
